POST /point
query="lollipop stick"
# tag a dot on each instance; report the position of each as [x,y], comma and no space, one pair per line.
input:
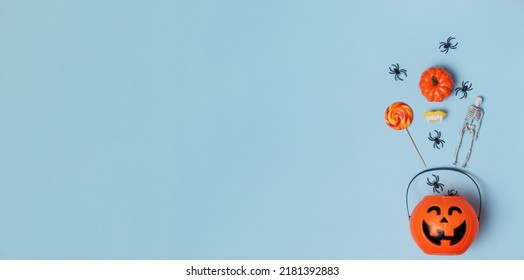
[414,145]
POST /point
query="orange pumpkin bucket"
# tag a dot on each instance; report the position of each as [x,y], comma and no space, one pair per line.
[444,224]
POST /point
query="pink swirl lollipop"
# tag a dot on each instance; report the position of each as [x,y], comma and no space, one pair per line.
[399,116]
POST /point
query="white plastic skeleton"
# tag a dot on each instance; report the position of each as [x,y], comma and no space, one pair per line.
[474,114]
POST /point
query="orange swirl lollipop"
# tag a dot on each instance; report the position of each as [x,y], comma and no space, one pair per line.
[399,116]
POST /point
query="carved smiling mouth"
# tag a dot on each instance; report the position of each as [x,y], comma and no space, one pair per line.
[458,234]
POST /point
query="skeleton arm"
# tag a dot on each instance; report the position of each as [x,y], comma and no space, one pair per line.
[464,124]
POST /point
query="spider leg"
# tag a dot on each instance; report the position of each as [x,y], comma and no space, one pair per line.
[464,95]
[438,133]
[399,77]
[452,192]
[394,68]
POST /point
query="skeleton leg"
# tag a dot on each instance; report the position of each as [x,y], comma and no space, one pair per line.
[470,146]
[458,145]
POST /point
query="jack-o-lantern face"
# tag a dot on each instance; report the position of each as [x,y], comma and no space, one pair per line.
[444,225]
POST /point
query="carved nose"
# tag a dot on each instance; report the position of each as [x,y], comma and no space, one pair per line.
[444,220]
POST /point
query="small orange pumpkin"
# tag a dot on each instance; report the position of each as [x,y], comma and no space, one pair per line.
[444,225]
[436,84]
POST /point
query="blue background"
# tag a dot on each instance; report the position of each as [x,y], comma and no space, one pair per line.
[245,129]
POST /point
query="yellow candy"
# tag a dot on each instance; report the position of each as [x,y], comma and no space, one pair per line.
[434,116]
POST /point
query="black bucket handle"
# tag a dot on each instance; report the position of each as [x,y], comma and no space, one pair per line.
[448,169]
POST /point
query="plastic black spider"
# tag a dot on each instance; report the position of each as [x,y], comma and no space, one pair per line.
[397,72]
[437,187]
[445,46]
[453,192]
[466,86]
[437,141]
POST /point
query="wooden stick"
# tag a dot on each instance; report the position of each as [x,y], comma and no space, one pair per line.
[414,145]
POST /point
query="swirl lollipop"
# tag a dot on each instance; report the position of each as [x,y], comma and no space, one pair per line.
[399,116]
